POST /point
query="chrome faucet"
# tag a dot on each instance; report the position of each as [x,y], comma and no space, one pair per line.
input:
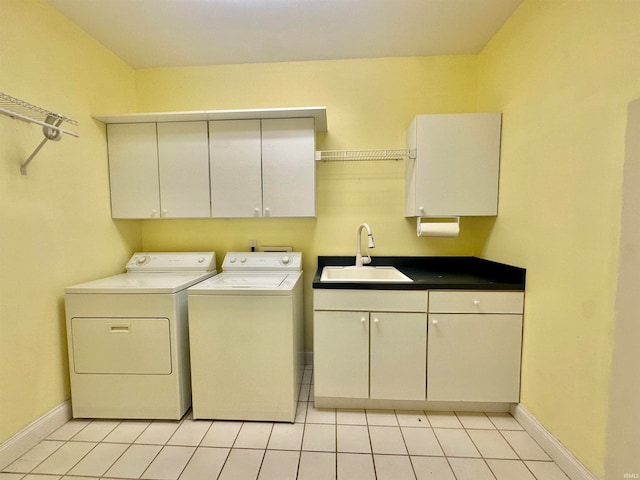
[359,260]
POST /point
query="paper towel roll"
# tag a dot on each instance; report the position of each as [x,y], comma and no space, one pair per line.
[438,229]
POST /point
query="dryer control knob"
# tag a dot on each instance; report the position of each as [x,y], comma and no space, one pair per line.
[233,260]
[142,260]
[201,260]
[243,259]
[285,260]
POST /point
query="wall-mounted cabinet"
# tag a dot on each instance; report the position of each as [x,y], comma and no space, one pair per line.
[228,164]
[262,168]
[151,166]
[455,169]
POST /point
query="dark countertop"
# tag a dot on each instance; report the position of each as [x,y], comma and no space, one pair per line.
[430,273]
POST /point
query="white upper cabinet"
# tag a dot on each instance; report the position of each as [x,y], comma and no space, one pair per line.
[151,168]
[133,170]
[183,163]
[227,168]
[456,166]
[262,168]
[236,177]
[288,167]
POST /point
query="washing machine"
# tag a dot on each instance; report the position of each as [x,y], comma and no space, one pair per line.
[128,338]
[246,338]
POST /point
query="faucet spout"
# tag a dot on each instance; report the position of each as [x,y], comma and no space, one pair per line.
[360,261]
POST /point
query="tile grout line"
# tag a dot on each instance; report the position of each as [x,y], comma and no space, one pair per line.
[306,404]
[404,441]
[64,442]
[195,449]
[71,440]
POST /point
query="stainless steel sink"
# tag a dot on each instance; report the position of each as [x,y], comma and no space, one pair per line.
[363,274]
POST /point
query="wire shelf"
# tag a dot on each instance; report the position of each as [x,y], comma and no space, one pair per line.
[362,155]
[14,107]
[49,121]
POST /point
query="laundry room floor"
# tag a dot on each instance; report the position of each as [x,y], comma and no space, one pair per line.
[321,444]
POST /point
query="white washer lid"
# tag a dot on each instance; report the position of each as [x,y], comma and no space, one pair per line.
[247,283]
[142,282]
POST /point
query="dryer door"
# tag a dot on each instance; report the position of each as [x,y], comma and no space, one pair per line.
[135,346]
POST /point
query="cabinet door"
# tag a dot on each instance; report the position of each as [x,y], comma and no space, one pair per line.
[236,177]
[133,170]
[457,165]
[183,158]
[474,358]
[341,354]
[288,167]
[398,356]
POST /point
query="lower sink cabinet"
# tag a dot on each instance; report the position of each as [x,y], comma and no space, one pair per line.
[474,357]
[378,355]
[374,345]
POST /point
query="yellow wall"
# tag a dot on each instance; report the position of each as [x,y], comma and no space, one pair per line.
[369,104]
[562,72]
[55,225]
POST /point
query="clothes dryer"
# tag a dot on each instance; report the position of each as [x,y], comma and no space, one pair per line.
[128,338]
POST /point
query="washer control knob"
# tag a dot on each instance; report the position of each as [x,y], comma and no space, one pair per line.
[232,260]
[201,260]
[285,260]
[243,260]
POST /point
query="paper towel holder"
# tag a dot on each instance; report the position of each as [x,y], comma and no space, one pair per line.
[440,217]
[456,222]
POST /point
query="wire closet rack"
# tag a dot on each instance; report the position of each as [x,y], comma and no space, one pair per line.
[363,155]
[49,121]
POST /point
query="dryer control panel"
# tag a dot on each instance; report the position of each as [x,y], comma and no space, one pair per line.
[172,262]
[262,261]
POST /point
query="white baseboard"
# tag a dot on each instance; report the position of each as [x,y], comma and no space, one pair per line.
[574,469]
[32,434]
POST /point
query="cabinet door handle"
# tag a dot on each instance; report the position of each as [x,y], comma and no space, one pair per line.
[476,302]
[163,212]
[376,320]
[434,322]
[363,320]
[267,211]
[154,212]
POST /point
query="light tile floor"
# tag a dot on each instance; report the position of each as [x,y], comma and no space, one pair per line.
[321,444]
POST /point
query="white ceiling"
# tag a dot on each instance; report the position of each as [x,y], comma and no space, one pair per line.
[163,33]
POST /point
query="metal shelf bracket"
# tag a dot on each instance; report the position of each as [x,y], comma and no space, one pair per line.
[49,121]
